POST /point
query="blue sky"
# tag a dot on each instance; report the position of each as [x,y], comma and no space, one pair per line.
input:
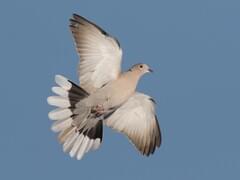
[194,49]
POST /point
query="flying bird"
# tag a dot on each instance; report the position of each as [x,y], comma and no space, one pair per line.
[106,96]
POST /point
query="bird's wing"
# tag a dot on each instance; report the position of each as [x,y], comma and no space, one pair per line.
[100,54]
[136,119]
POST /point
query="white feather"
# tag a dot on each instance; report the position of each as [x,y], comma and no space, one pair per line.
[61,125]
[89,147]
[60,91]
[96,144]
[59,114]
[82,148]
[76,145]
[63,82]
[58,101]
[69,142]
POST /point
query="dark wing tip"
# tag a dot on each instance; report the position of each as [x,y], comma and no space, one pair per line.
[158,135]
[151,99]
[74,21]
[77,19]
[116,40]
[80,19]
[155,141]
[75,15]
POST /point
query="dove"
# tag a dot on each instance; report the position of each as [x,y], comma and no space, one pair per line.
[106,96]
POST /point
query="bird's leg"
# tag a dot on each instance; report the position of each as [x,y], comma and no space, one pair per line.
[98,110]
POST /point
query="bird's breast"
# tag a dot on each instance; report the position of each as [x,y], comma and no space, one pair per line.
[112,95]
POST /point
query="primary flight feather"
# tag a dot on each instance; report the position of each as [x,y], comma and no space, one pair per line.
[106,96]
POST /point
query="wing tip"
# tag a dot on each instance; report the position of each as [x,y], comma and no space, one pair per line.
[159,135]
[81,20]
[77,16]
[155,142]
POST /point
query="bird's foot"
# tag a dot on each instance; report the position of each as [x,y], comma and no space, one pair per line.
[98,110]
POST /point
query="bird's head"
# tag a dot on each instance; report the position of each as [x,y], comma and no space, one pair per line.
[141,69]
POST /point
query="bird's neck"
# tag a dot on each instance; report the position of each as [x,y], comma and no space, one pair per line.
[133,77]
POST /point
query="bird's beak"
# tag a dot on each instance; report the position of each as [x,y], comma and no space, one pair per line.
[150,70]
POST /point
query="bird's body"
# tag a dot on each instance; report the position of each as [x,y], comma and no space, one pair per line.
[105,95]
[115,92]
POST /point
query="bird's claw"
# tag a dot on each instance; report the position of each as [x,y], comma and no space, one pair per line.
[98,110]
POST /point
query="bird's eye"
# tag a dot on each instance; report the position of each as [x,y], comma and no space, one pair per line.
[141,66]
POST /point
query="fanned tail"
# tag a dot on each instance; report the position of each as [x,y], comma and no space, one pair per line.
[77,141]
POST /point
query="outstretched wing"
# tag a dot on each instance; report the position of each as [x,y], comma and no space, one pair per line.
[136,119]
[100,54]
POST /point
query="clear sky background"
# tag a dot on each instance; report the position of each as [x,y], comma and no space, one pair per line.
[193,47]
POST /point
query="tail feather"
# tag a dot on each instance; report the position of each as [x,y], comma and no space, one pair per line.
[73,134]
[76,145]
[61,125]
[60,91]
[59,101]
[63,135]
[59,114]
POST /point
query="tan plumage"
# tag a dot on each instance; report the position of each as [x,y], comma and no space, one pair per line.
[105,96]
